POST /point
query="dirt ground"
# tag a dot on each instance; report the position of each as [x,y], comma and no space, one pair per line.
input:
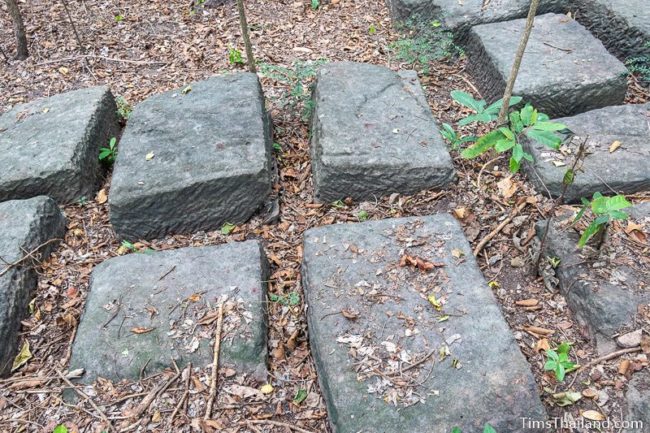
[144,47]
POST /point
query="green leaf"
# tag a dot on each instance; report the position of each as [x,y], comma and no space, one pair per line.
[549,365]
[552,354]
[489,429]
[515,122]
[456,430]
[300,396]
[581,213]
[588,233]
[482,145]
[549,126]
[507,133]
[569,177]
[541,117]
[23,356]
[504,145]
[60,429]
[618,215]
[565,347]
[526,114]
[547,138]
[618,202]
[363,215]
[112,142]
[495,107]
[227,228]
[514,165]
[482,117]
[560,372]
[466,100]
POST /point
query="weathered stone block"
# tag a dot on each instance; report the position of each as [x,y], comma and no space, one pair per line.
[622,25]
[193,159]
[624,169]
[147,309]
[605,294]
[399,349]
[565,70]
[51,146]
[459,16]
[27,224]
[373,134]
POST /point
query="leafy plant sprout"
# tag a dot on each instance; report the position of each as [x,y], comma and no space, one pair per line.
[486,429]
[124,109]
[108,154]
[235,57]
[558,361]
[605,210]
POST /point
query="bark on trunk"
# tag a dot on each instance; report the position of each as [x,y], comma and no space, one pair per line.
[19,28]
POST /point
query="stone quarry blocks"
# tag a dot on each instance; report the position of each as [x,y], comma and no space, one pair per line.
[565,70]
[150,308]
[50,146]
[26,225]
[373,134]
[384,295]
[624,169]
[460,15]
[622,25]
[605,291]
[192,160]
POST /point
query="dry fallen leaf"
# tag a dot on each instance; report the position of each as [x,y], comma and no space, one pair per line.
[542,345]
[590,393]
[102,197]
[624,366]
[527,302]
[350,313]
[615,145]
[149,156]
[507,187]
[267,388]
[460,212]
[593,415]
[23,356]
[538,330]
[141,330]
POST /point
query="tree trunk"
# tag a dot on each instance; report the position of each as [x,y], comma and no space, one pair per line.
[503,113]
[19,28]
[247,39]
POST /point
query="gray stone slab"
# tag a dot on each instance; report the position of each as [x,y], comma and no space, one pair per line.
[626,169]
[637,397]
[192,160]
[461,15]
[352,267]
[51,146]
[565,70]
[622,25]
[26,225]
[373,134]
[170,293]
[603,291]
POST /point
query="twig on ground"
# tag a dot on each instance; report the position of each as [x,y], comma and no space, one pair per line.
[609,357]
[277,424]
[28,255]
[500,227]
[83,395]
[215,363]
[181,402]
[150,397]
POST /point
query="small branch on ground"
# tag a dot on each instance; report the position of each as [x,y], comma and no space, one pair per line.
[500,227]
[560,200]
[530,20]
[74,27]
[610,356]
[277,424]
[215,364]
[83,395]
[250,60]
[27,255]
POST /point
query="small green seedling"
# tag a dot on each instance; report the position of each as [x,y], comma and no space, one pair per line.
[292,299]
[486,429]
[300,396]
[363,216]
[558,361]
[454,138]
[119,18]
[60,429]
[372,29]
[124,109]
[315,4]
[108,154]
[338,204]
[129,246]
[227,228]
[235,56]
[605,210]
[277,147]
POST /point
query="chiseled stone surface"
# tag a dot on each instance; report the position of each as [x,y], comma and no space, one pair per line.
[192,160]
[366,304]
[622,25]
[50,146]
[626,169]
[26,225]
[565,70]
[373,134]
[147,309]
[461,15]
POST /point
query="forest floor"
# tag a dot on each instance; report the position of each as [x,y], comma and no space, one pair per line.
[143,47]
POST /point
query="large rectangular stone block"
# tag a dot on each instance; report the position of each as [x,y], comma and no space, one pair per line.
[622,166]
[192,159]
[373,134]
[147,309]
[406,334]
[50,146]
[565,70]
[26,226]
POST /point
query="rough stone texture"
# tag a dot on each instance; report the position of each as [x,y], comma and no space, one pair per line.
[211,159]
[461,15]
[27,224]
[626,169]
[357,266]
[110,349]
[603,306]
[565,70]
[50,146]
[638,400]
[373,134]
[622,25]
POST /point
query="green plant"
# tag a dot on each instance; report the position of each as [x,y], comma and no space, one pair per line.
[298,78]
[300,396]
[227,228]
[292,299]
[108,154]
[558,361]
[338,204]
[640,65]
[119,18]
[507,138]
[372,29]
[277,147]
[315,4]
[128,246]
[235,57]
[82,201]
[454,138]
[423,42]
[124,109]
[604,210]
[60,429]
[486,429]
[363,216]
